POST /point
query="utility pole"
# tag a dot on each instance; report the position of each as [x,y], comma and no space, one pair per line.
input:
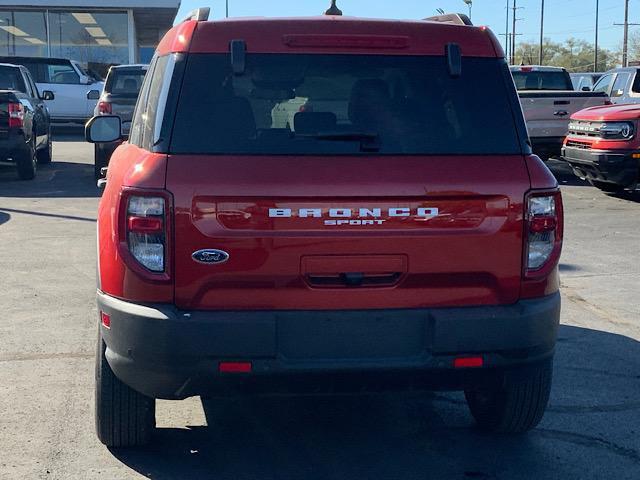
[513,34]
[507,36]
[595,53]
[625,45]
[227,6]
[541,33]
[625,41]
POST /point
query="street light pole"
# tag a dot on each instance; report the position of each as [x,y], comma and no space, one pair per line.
[469,4]
[625,44]
[541,34]
[227,8]
[595,53]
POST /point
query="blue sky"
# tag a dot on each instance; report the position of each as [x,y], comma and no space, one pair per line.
[563,18]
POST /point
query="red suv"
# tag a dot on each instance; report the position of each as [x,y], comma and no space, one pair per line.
[399,234]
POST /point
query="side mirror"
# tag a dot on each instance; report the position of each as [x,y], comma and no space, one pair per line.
[47,95]
[84,80]
[586,89]
[618,93]
[93,94]
[103,129]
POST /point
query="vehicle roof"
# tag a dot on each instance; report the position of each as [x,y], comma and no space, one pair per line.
[588,74]
[132,66]
[333,34]
[535,68]
[623,69]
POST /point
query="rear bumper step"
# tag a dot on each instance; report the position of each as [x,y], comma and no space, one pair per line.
[166,353]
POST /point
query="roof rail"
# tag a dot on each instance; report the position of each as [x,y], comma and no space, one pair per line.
[452,18]
[199,14]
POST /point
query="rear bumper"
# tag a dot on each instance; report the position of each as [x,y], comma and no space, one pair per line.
[166,353]
[616,167]
[12,143]
[547,147]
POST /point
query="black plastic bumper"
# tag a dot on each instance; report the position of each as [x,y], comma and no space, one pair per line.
[547,147]
[12,144]
[166,353]
[617,167]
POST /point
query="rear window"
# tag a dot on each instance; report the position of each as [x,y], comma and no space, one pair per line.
[125,82]
[11,79]
[542,80]
[343,104]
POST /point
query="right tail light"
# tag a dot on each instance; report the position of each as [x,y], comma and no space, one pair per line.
[544,231]
[104,108]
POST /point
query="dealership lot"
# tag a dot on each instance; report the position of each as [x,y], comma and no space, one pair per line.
[48,332]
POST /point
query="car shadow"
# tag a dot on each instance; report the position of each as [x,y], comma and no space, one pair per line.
[4,217]
[56,180]
[416,435]
[563,173]
[67,133]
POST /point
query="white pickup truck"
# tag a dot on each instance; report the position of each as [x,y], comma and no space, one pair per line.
[548,101]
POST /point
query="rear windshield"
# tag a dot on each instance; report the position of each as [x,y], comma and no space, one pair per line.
[11,79]
[125,82]
[343,104]
[542,80]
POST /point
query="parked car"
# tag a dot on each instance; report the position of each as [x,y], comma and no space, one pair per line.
[621,84]
[25,132]
[584,82]
[119,96]
[548,100]
[76,90]
[603,147]
[412,244]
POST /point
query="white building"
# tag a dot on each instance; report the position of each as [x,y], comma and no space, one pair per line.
[95,33]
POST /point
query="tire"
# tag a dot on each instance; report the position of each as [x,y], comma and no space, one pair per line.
[607,187]
[99,161]
[26,162]
[46,154]
[515,407]
[124,417]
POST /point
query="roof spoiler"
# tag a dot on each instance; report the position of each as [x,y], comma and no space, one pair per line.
[452,18]
[199,15]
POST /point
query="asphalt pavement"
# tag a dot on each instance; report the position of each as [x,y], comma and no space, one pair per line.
[48,330]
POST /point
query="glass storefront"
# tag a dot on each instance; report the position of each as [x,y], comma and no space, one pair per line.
[96,39]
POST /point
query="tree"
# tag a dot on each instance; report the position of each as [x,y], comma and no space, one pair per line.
[575,55]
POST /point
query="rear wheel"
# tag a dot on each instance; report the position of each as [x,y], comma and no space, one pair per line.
[124,417]
[26,162]
[100,160]
[45,155]
[516,406]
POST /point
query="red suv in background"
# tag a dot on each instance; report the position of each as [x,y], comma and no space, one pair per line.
[399,234]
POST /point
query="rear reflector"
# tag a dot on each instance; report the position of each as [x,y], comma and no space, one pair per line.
[468,362]
[145,225]
[234,367]
[106,320]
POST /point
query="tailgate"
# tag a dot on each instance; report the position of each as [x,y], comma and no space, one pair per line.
[547,113]
[364,233]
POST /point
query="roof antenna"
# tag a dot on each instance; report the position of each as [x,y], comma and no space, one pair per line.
[333,10]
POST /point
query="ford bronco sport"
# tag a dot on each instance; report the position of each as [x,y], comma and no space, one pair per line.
[398,235]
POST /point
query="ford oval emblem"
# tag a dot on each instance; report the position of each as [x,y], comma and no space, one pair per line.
[210,256]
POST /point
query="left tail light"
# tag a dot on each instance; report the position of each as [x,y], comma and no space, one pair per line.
[544,231]
[145,231]
[16,115]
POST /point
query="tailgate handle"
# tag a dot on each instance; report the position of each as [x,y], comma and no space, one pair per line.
[354,279]
[561,113]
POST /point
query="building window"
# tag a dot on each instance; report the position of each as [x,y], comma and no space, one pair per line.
[95,39]
[23,33]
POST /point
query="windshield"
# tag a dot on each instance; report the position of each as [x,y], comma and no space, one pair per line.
[343,104]
[10,79]
[125,82]
[542,80]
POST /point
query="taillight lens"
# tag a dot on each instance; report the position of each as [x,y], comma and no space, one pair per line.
[104,108]
[146,231]
[544,231]
[16,115]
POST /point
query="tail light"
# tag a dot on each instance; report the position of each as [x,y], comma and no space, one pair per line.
[16,115]
[544,230]
[144,231]
[104,108]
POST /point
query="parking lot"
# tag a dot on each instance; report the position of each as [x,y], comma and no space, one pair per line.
[48,332]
